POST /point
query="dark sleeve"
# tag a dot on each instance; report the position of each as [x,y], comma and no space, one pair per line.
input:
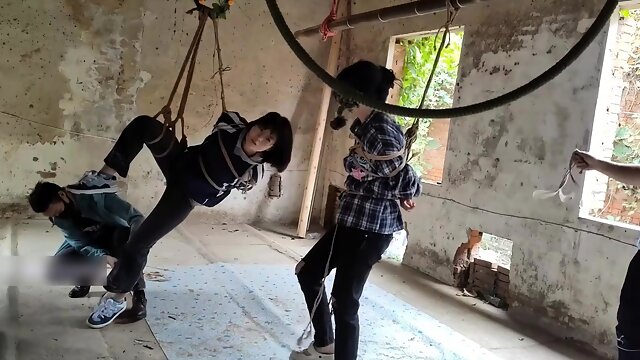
[78,240]
[123,210]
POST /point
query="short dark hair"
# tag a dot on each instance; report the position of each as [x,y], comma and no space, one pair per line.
[43,195]
[370,79]
[279,155]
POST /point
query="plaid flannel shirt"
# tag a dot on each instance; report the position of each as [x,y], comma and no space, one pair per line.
[371,203]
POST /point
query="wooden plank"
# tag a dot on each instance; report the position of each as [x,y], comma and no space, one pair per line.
[503,277]
[503,270]
[321,123]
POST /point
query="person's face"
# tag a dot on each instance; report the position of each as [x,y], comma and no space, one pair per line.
[259,140]
[59,208]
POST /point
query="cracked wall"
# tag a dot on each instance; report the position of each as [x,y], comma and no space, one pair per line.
[76,73]
[566,272]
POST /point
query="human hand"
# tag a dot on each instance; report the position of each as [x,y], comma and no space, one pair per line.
[111,261]
[407,204]
[583,160]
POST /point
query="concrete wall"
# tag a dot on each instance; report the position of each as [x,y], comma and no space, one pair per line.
[74,73]
[568,270]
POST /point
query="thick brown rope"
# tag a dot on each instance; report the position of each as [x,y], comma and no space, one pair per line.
[192,66]
[204,12]
[221,67]
[196,38]
[190,58]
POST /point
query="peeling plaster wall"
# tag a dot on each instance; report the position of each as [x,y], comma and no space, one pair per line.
[75,74]
[562,268]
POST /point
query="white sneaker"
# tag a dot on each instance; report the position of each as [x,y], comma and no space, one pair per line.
[106,312]
[309,354]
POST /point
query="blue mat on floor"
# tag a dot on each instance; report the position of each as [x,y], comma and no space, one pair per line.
[234,311]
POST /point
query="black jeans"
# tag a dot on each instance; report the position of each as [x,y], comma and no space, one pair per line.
[110,238]
[173,207]
[354,254]
[628,328]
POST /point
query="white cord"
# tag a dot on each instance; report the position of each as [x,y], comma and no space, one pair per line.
[306,333]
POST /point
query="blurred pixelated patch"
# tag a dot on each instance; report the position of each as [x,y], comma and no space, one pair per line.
[52,270]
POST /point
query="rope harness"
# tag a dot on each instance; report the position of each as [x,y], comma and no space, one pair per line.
[410,136]
[246,179]
[359,150]
[204,13]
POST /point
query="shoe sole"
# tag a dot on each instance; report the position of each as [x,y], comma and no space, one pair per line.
[100,326]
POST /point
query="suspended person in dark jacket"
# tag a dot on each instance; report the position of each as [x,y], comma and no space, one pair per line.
[379,182]
[231,157]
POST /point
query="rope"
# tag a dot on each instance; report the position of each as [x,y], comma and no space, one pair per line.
[325,27]
[189,59]
[545,194]
[348,92]
[411,135]
[306,333]
[204,13]
[221,67]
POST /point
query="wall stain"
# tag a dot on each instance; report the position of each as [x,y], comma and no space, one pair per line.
[535,146]
[14,210]
[498,129]
[46,174]
[505,29]
[28,55]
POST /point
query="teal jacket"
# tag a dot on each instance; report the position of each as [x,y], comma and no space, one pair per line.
[104,209]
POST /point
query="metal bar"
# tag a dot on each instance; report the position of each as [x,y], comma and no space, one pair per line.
[404,11]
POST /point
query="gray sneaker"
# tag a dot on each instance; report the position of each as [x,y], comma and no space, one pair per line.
[94,182]
[106,311]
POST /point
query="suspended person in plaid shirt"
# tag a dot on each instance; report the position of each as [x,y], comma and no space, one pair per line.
[378,184]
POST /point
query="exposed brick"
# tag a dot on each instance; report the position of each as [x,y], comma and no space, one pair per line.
[486,264]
